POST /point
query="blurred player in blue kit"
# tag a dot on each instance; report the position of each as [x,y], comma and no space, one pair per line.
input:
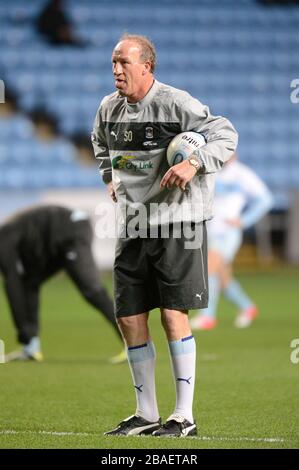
[241,200]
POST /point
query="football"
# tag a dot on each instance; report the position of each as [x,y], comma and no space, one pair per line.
[183,145]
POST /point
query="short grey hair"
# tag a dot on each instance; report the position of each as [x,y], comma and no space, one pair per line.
[147,48]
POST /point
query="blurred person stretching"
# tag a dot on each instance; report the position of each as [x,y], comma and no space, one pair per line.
[34,245]
[132,130]
[241,200]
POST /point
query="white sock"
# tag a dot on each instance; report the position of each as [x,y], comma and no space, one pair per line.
[183,356]
[142,364]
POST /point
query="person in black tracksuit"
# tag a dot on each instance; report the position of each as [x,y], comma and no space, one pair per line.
[34,245]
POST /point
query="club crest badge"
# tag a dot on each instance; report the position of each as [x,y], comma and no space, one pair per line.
[149,133]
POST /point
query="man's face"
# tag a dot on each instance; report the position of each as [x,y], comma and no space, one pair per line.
[129,72]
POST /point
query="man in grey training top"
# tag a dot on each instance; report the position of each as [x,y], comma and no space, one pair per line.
[132,130]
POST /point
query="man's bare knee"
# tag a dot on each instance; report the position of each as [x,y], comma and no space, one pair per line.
[127,322]
[175,323]
[134,328]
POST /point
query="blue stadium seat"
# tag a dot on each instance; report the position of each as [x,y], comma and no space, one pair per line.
[15,128]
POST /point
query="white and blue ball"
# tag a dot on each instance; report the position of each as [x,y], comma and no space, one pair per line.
[183,146]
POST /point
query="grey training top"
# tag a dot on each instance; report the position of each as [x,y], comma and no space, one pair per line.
[130,142]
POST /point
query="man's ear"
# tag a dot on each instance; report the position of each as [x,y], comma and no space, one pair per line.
[147,68]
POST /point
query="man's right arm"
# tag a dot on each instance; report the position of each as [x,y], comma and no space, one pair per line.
[100,148]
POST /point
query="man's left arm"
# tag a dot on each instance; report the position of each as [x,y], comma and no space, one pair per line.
[220,135]
[221,138]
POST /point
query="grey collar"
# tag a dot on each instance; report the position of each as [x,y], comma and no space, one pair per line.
[136,107]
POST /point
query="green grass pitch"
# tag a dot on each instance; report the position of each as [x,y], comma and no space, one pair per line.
[247,389]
